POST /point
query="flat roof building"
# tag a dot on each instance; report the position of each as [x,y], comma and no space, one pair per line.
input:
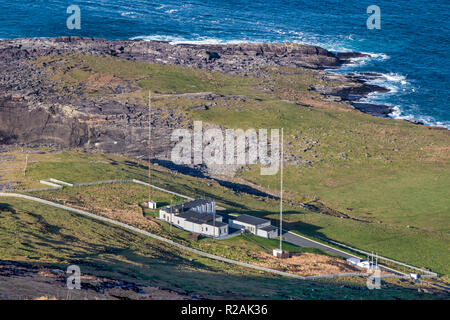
[254,225]
[196,216]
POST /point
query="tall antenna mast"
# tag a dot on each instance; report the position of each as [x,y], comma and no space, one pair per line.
[281,191]
[372,266]
[26,165]
[151,204]
[149,146]
[376,261]
[214,224]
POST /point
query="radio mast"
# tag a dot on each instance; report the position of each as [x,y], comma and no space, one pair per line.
[151,204]
[281,191]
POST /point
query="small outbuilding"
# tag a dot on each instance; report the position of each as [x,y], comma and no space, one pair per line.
[254,225]
[151,205]
[281,254]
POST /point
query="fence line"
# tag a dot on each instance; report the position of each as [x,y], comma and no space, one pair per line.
[428,274]
[173,243]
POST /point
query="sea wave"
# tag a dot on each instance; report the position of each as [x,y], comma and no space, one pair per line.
[396,77]
[370,56]
[396,83]
[377,56]
[211,40]
[130,14]
[180,40]
[398,113]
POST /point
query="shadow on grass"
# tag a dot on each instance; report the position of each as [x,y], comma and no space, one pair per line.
[111,252]
[6,207]
[192,276]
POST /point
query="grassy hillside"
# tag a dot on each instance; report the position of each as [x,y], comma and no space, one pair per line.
[53,237]
[412,245]
[391,176]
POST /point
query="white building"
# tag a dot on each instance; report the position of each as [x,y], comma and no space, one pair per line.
[254,225]
[196,216]
[360,263]
[151,204]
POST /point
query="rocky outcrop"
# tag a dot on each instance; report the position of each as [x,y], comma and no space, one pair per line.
[39,125]
[236,58]
[34,112]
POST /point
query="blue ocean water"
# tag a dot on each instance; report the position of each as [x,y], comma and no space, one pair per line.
[411,49]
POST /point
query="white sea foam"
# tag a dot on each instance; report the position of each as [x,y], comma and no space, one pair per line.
[398,113]
[180,40]
[377,56]
[396,77]
[130,14]
[393,81]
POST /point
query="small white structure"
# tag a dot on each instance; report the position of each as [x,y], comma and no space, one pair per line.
[254,225]
[277,252]
[152,204]
[360,263]
[414,276]
[364,264]
[353,261]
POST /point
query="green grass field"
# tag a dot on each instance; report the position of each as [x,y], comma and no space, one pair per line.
[121,202]
[416,246]
[391,174]
[55,238]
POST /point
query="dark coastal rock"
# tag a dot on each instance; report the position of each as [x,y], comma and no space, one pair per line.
[38,125]
[355,93]
[346,57]
[347,92]
[33,112]
[236,58]
[374,109]
[351,55]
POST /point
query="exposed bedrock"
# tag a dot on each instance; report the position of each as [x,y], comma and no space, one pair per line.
[33,112]
[39,125]
[113,128]
[226,58]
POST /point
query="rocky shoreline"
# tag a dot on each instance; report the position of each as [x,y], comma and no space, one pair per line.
[33,112]
[240,59]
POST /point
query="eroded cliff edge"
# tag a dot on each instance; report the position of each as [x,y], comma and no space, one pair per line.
[39,107]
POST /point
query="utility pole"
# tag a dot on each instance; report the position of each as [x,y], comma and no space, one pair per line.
[26,165]
[214,224]
[376,261]
[149,147]
[281,191]
[171,215]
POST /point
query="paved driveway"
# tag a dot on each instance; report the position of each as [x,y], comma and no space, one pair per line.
[304,242]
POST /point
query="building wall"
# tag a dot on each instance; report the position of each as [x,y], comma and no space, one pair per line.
[248,227]
[193,227]
[164,215]
[265,234]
